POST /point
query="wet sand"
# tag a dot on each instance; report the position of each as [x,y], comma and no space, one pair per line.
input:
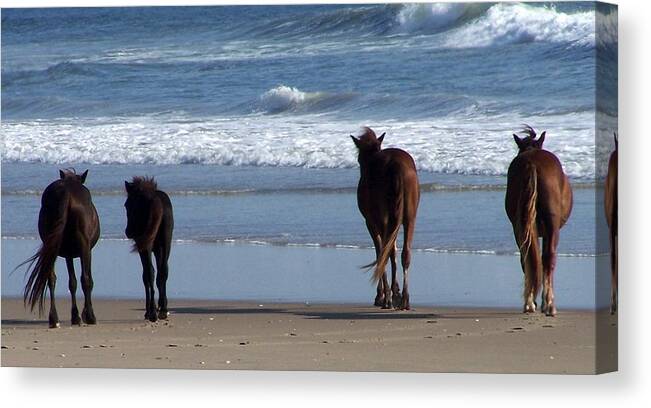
[343,337]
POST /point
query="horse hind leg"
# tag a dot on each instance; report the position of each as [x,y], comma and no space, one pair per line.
[162,272]
[408,227]
[529,293]
[88,315]
[613,275]
[72,286]
[395,288]
[388,299]
[53,318]
[530,263]
[379,296]
[148,281]
[549,266]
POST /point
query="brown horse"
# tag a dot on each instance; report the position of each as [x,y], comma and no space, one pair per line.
[610,204]
[150,223]
[387,196]
[69,227]
[538,204]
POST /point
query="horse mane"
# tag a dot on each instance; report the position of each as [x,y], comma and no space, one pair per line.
[144,185]
[367,133]
[529,131]
[69,172]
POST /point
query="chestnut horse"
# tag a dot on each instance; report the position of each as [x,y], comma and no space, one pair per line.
[69,227]
[538,204]
[150,223]
[387,196]
[610,204]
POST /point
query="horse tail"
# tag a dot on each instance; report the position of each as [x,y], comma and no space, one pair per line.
[145,242]
[396,213]
[41,264]
[528,230]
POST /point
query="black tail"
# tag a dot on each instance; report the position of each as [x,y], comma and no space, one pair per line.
[41,265]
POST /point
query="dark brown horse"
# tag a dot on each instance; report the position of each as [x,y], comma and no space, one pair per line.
[150,223]
[387,196]
[538,204]
[610,204]
[69,227]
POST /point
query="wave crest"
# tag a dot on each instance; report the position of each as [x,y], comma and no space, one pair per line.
[519,23]
[282,98]
[435,17]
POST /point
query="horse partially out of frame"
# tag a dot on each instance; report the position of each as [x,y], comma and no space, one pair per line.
[610,204]
[387,196]
[538,204]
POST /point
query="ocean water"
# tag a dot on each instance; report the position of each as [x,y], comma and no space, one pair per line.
[244,113]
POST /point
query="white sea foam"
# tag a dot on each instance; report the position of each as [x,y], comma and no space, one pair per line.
[507,23]
[483,146]
[282,98]
[423,16]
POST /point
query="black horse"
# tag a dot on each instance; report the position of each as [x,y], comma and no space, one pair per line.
[150,223]
[69,227]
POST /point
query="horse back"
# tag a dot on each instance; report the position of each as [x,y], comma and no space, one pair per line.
[404,175]
[390,174]
[71,203]
[82,216]
[554,193]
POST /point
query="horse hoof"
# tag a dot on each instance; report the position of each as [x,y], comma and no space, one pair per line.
[54,325]
[551,311]
[162,315]
[89,318]
[75,321]
[529,308]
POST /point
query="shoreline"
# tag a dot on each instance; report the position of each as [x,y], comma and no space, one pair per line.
[262,302]
[236,272]
[324,337]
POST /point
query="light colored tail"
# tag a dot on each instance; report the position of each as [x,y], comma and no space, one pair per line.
[528,232]
[389,243]
[41,264]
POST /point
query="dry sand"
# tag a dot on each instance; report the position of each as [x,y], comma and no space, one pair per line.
[247,335]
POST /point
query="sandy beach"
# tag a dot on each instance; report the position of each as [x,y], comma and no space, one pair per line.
[249,335]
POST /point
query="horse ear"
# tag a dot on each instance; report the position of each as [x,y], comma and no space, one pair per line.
[518,141]
[541,139]
[616,141]
[62,175]
[381,138]
[127,186]
[83,177]
[356,140]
